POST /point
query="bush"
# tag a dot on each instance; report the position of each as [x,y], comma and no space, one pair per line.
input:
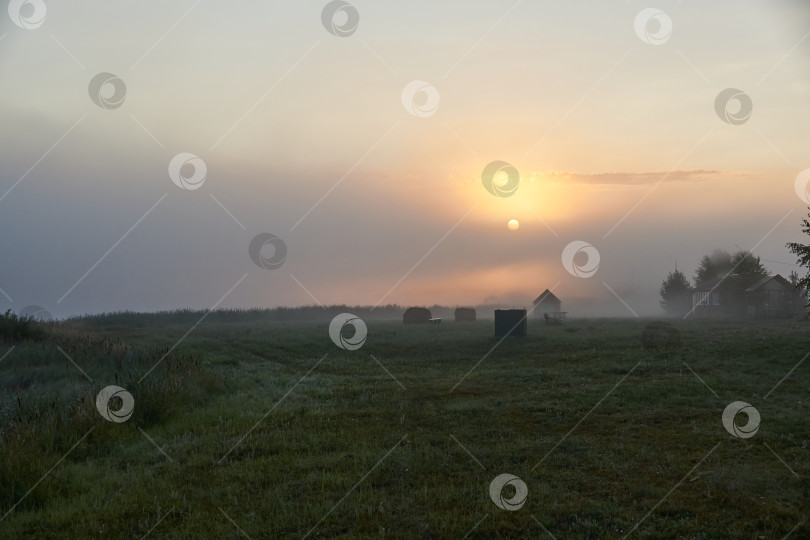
[15,328]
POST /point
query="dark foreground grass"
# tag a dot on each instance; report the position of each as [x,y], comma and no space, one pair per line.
[268,430]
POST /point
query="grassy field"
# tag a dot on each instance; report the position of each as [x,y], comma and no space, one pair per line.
[266,429]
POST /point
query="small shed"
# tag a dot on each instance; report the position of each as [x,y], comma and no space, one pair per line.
[416,315]
[465,314]
[772,296]
[510,322]
[546,303]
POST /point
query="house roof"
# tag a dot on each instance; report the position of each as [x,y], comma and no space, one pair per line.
[546,296]
[766,279]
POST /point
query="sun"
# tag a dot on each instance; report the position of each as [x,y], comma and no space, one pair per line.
[513,224]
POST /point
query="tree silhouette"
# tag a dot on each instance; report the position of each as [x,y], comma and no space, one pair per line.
[802,252]
[676,293]
[745,271]
[713,267]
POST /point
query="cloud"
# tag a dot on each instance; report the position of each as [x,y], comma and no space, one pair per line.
[633,179]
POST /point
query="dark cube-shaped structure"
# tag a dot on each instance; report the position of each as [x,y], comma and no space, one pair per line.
[510,322]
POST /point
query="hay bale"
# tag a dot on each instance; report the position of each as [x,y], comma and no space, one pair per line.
[510,322]
[465,314]
[416,315]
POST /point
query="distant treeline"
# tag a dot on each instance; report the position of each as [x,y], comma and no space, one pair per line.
[278,314]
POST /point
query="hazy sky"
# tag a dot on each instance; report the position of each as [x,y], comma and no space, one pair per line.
[612,126]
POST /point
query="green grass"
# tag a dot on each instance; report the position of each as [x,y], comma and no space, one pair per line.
[528,409]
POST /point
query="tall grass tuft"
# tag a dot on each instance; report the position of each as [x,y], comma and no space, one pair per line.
[48,388]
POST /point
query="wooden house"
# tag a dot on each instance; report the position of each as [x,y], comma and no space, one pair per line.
[546,303]
[772,296]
